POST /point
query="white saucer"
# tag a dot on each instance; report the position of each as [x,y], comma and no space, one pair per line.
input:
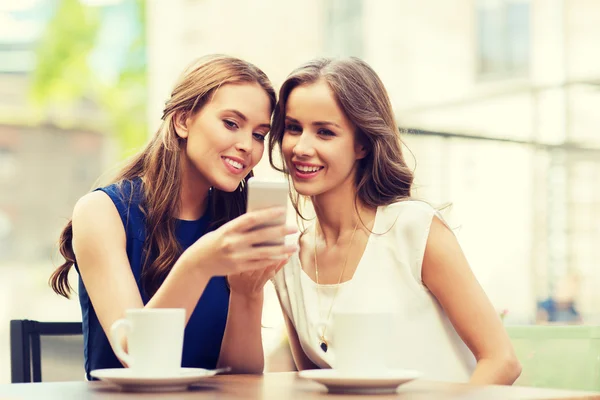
[129,380]
[369,383]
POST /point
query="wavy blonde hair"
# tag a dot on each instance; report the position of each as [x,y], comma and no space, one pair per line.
[159,165]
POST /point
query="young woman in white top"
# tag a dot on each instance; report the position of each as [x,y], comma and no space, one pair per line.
[371,243]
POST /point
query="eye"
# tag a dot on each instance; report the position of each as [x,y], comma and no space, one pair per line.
[230,125]
[325,132]
[293,128]
[259,136]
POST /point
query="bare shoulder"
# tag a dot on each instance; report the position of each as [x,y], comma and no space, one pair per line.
[95,205]
[442,252]
[440,231]
[96,213]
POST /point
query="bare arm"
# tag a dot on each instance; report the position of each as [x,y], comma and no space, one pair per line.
[448,276]
[242,341]
[300,358]
[99,243]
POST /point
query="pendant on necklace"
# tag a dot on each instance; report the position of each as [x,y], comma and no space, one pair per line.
[323,345]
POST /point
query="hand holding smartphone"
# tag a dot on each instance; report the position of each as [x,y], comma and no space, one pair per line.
[268,194]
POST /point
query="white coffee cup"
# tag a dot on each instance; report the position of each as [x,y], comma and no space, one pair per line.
[361,341]
[154,340]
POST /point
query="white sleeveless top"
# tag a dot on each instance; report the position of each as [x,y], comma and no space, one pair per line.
[387,278]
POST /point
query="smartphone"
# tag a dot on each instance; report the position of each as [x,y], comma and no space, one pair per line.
[267,194]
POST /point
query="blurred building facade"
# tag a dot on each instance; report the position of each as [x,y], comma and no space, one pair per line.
[50,155]
[44,167]
[503,95]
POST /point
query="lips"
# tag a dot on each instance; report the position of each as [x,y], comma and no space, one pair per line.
[305,170]
[234,165]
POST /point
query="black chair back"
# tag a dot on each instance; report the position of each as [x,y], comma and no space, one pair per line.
[26,349]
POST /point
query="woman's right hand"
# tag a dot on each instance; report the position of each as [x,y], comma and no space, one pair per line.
[233,249]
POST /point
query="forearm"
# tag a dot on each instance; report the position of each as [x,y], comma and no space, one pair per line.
[182,288]
[501,371]
[241,348]
[301,360]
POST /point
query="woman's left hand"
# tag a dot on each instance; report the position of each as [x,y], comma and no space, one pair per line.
[250,284]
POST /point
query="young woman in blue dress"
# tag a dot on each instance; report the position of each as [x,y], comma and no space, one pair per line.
[170,230]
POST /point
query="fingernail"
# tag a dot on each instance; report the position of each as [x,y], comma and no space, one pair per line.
[291,229]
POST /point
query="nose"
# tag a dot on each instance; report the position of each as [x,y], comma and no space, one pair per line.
[244,143]
[303,146]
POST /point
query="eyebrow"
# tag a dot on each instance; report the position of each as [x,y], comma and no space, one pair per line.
[245,119]
[315,123]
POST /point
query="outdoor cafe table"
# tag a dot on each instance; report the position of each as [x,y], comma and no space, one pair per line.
[283,385]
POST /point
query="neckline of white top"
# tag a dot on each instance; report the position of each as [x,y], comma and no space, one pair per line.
[335,285]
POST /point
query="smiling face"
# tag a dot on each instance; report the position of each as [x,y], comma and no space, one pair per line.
[319,143]
[225,138]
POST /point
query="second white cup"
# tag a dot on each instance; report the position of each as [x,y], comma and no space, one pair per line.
[361,341]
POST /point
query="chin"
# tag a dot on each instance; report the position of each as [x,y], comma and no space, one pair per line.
[304,189]
[227,188]
[227,185]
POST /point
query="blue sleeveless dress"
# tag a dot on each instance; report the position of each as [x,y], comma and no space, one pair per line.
[204,331]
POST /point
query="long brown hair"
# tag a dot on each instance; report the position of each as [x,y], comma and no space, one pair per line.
[382,177]
[159,166]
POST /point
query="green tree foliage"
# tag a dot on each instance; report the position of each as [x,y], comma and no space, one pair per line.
[63,76]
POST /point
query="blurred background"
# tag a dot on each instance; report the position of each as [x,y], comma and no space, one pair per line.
[498,101]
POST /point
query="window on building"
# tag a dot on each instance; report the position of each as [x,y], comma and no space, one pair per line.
[503,37]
